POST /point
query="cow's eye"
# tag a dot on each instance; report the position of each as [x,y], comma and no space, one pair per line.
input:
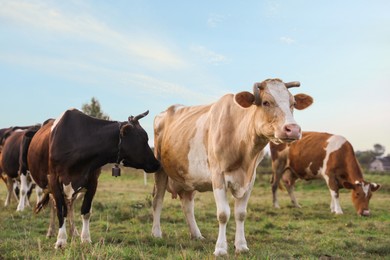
[266,104]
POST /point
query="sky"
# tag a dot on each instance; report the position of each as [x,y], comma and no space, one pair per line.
[138,55]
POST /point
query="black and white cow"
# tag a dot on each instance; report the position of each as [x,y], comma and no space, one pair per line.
[79,145]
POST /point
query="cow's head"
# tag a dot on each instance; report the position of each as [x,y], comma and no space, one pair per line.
[361,195]
[274,107]
[134,149]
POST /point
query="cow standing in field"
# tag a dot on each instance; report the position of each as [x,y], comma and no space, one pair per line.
[217,148]
[321,155]
[79,146]
[10,160]
[38,165]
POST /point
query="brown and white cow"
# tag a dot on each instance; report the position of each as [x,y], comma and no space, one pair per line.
[217,148]
[321,155]
[11,157]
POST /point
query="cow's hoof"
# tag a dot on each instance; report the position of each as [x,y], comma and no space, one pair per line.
[61,243]
[242,249]
[220,251]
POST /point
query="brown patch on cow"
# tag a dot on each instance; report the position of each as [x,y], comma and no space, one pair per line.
[276,149]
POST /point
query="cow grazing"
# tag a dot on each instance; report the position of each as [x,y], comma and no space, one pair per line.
[321,155]
[11,157]
[79,146]
[217,148]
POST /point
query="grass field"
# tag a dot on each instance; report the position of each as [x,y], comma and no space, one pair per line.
[122,219]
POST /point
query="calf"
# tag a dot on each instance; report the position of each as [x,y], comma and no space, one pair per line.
[79,146]
[217,148]
[321,155]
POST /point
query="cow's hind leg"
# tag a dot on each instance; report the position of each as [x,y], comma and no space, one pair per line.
[52,225]
[86,210]
[160,185]
[23,201]
[61,211]
[187,205]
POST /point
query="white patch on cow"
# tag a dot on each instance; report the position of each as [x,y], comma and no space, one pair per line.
[366,188]
[335,203]
[197,155]
[282,99]
[62,236]
[334,143]
[85,234]
[307,169]
[23,192]
[357,182]
[68,191]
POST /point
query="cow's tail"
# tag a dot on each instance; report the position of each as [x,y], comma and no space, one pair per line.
[42,203]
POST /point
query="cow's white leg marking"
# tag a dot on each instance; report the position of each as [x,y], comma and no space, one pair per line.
[38,193]
[23,192]
[62,236]
[335,204]
[85,234]
[223,214]
[187,205]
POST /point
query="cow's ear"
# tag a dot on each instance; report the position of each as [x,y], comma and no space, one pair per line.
[348,185]
[126,129]
[302,101]
[245,99]
[374,187]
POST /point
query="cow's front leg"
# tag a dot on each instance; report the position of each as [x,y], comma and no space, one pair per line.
[335,203]
[240,215]
[223,215]
[187,205]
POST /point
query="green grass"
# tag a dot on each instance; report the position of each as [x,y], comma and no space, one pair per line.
[122,219]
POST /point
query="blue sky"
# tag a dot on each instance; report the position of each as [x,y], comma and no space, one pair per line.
[147,55]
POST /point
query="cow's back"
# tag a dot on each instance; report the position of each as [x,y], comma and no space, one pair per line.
[38,155]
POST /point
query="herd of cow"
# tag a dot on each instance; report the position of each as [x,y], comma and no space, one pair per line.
[214,147]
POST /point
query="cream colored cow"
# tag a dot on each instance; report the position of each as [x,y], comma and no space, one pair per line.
[217,148]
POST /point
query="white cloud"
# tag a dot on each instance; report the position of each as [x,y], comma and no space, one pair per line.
[214,20]
[37,14]
[287,40]
[209,56]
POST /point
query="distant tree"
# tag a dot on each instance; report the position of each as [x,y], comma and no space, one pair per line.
[379,150]
[365,158]
[93,109]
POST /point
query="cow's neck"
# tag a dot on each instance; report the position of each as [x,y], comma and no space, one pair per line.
[108,150]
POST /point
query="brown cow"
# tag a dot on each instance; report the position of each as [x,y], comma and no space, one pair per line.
[217,148]
[321,155]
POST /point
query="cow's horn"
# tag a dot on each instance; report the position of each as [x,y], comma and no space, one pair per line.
[292,84]
[256,93]
[136,118]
